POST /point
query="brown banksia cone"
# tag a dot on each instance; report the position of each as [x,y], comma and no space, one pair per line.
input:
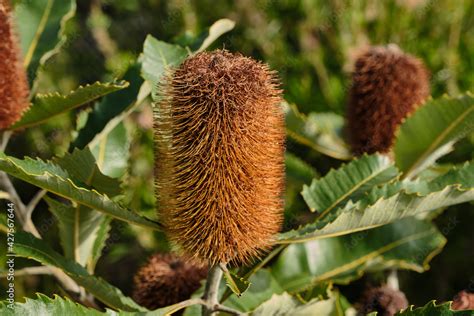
[387,85]
[219,132]
[384,300]
[166,279]
[13,81]
[463,301]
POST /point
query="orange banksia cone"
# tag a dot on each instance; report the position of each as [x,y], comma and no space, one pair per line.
[165,280]
[387,85]
[13,82]
[219,132]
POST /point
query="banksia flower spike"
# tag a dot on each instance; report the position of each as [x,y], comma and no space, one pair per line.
[384,300]
[165,280]
[219,133]
[13,81]
[387,85]
[463,301]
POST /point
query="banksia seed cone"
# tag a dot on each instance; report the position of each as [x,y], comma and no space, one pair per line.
[387,85]
[384,300]
[463,301]
[219,133]
[165,280]
[13,81]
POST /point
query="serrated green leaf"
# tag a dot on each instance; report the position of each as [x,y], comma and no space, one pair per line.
[348,182]
[391,206]
[407,244]
[28,246]
[99,243]
[157,58]
[217,29]
[432,309]
[43,305]
[81,165]
[430,131]
[41,25]
[284,304]
[54,179]
[47,106]
[237,284]
[319,131]
[109,107]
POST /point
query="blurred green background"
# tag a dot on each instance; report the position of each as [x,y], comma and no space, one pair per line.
[312,44]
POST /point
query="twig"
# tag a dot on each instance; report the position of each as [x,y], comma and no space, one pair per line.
[211,291]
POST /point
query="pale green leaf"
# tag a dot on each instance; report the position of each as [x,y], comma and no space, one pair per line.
[237,284]
[47,106]
[54,179]
[157,58]
[431,130]
[348,182]
[219,27]
[345,258]
[41,25]
[319,131]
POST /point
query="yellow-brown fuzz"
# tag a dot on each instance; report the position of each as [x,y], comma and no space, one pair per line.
[387,85]
[166,279]
[219,133]
[13,82]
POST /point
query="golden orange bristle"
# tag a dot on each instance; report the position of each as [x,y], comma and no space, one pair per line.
[13,81]
[219,132]
[387,85]
[166,279]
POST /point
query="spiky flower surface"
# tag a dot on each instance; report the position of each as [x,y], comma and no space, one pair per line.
[384,300]
[387,85]
[219,133]
[165,280]
[13,81]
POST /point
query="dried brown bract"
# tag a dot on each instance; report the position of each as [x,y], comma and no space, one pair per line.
[13,82]
[165,280]
[387,85]
[383,300]
[219,133]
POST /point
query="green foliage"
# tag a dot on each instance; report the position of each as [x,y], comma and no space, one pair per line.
[350,181]
[41,26]
[28,246]
[319,131]
[54,179]
[237,284]
[407,244]
[47,106]
[432,309]
[432,130]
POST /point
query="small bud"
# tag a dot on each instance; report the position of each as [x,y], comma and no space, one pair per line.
[13,81]
[165,280]
[219,132]
[387,85]
[384,300]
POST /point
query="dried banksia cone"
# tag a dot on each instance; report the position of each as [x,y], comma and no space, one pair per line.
[219,133]
[387,85]
[165,280]
[463,301]
[384,300]
[13,81]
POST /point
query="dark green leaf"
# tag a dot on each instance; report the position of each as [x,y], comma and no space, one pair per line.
[237,284]
[28,246]
[430,132]
[47,106]
[348,182]
[54,179]
[406,244]
[432,309]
